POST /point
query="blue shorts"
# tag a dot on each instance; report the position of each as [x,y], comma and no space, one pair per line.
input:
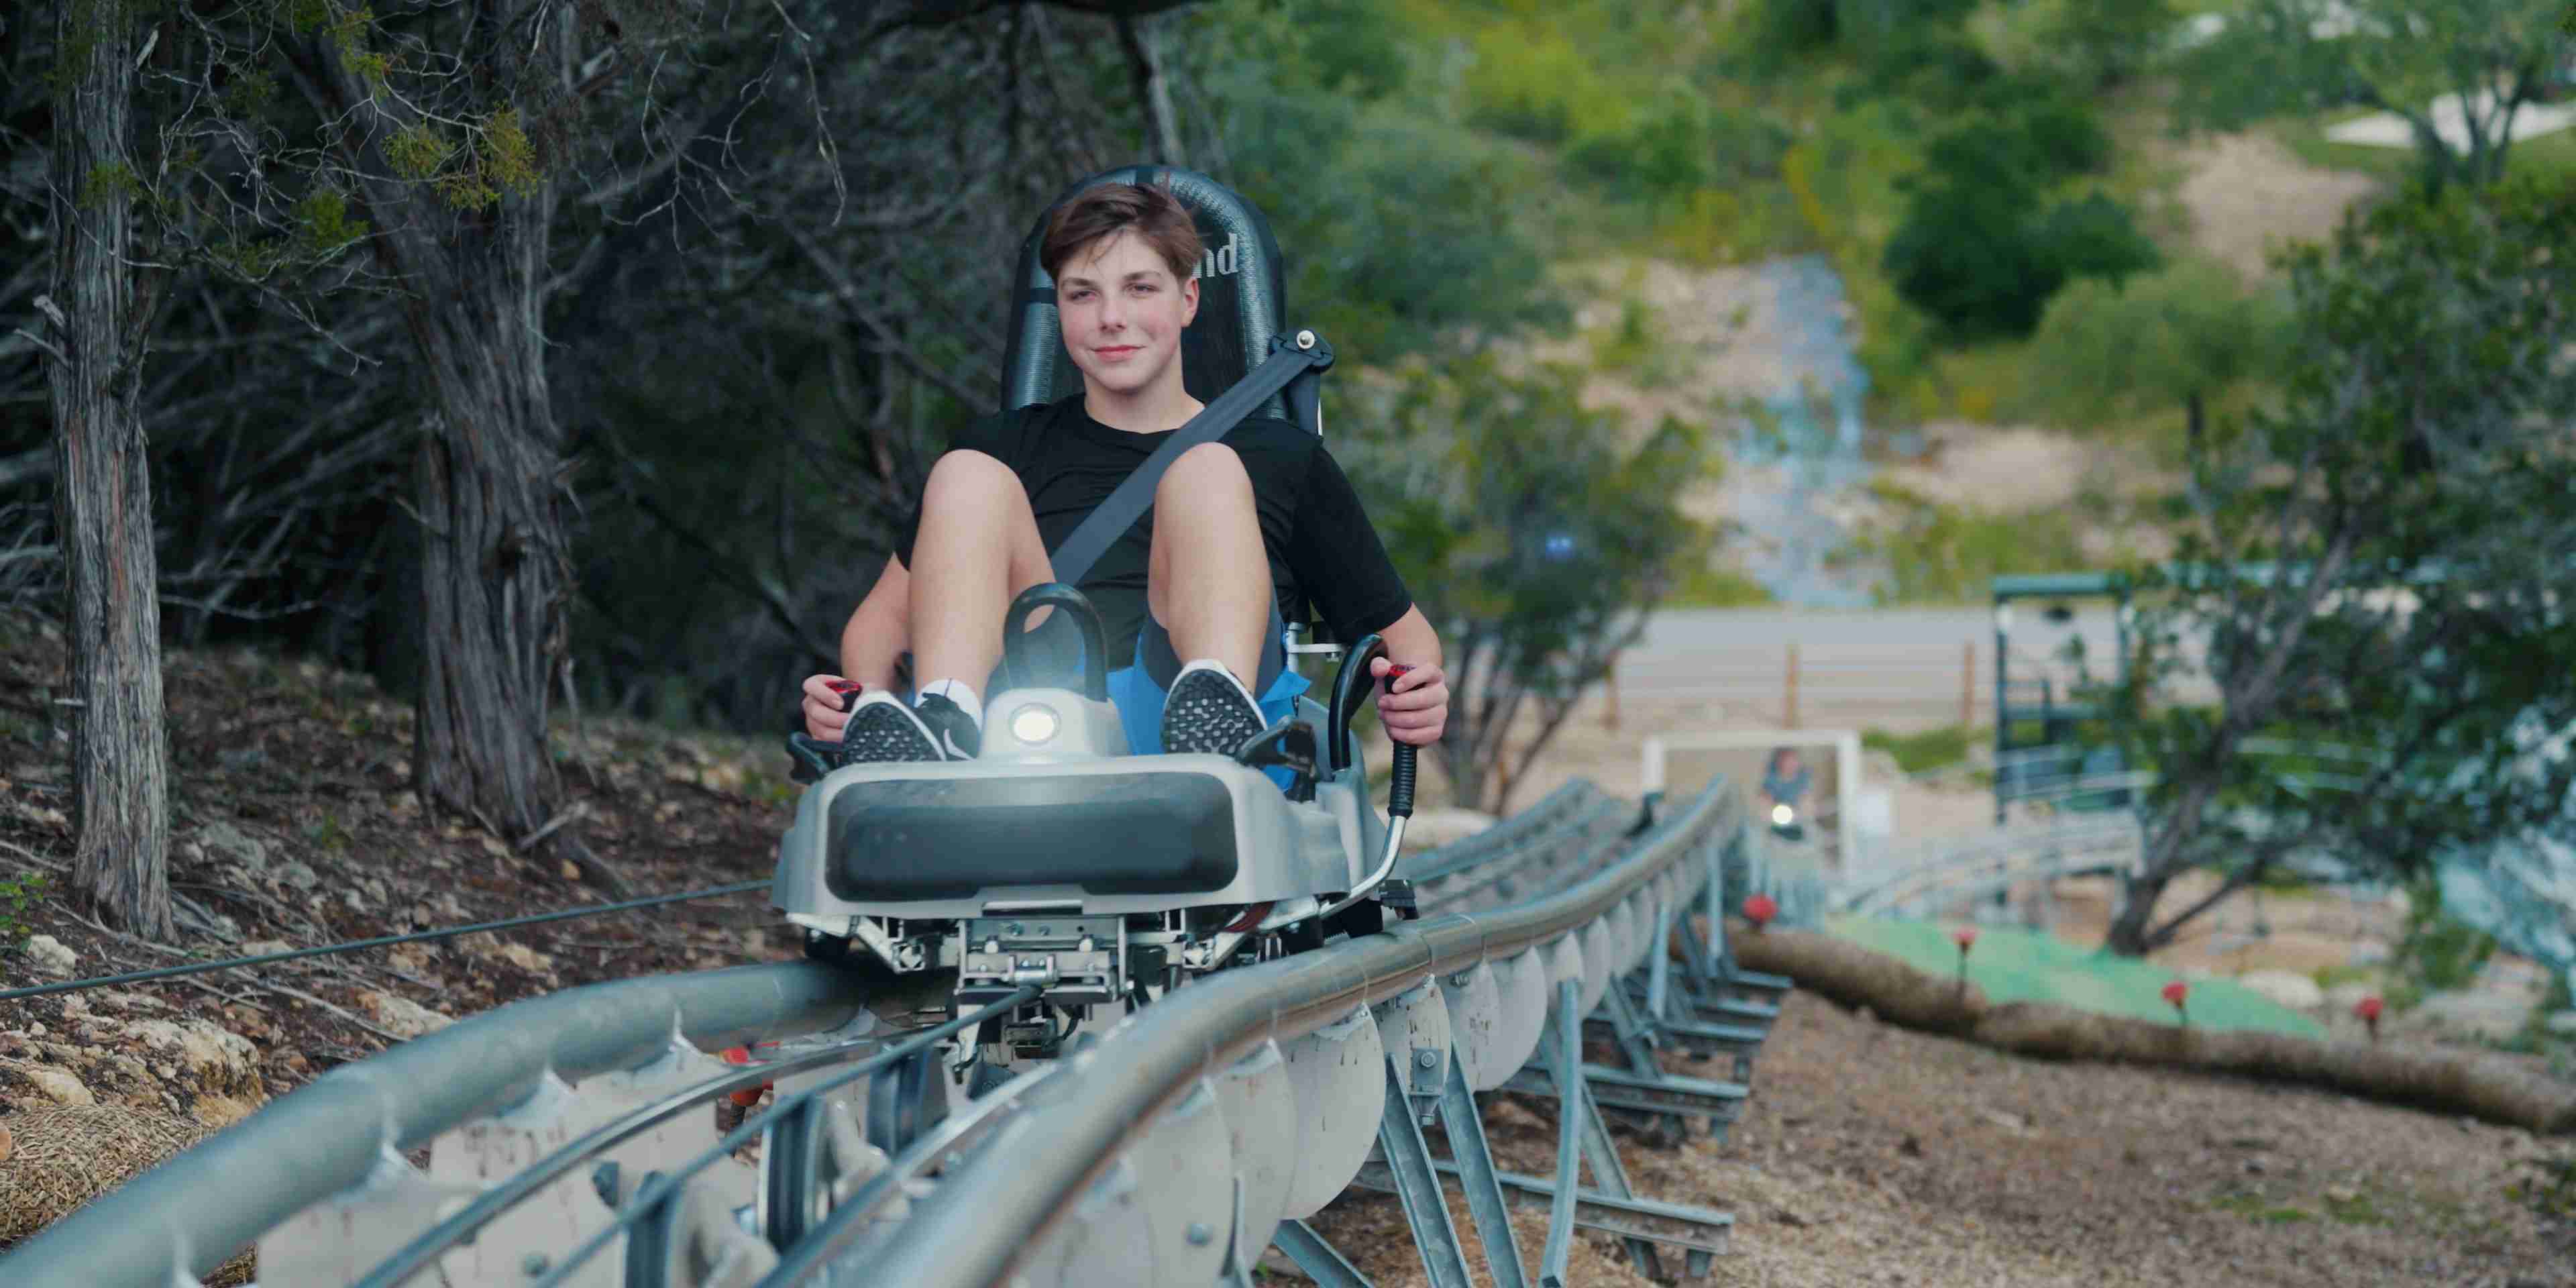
[1140,705]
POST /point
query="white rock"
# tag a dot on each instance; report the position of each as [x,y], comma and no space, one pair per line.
[231,842]
[53,1084]
[402,1016]
[298,874]
[2562,1023]
[50,957]
[2289,988]
[218,1056]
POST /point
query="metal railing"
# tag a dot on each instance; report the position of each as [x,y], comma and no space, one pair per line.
[1151,1153]
[187,1216]
[984,1221]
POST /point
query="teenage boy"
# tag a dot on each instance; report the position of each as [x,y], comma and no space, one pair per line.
[1189,596]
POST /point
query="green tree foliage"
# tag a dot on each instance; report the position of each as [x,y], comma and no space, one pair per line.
[2380,562]
[2307,57]
[2101,44]
[1677,145]
[2094,237]
[1404,231]
[1801,26]
[2104,351]
[1534,533]
[1980,252]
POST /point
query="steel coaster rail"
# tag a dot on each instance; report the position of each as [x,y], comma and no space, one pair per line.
[652,1202]
[421,1252]
[417,1255]
[1983,848]
[1500,868]
[846,1221]
[990,1208]
[1572,798]
[184,1218]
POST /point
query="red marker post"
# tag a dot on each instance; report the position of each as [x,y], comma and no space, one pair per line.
[1760,909]
[2174,993]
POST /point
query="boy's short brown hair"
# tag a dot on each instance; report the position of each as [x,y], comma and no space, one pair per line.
[1157,216]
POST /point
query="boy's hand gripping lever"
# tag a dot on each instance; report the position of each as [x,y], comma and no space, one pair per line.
[809,758]
[1352,681]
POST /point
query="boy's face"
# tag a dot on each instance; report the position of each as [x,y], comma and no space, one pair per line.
[1122,312]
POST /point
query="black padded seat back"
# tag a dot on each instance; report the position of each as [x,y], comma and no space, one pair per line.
[1243,302]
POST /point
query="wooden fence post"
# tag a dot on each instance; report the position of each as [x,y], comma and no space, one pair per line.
[1790,702]
[1968,685]
[1610,718]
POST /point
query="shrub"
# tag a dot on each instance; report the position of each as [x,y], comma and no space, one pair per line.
[1935,65]
[2103,351]
[1976,253]
[1784,27]
[19,894]
[1932,552]
[1667,150]
[2095,237]
[2102,43]
[1968,254]
[2054,137]
[1532,83]
[1679,145]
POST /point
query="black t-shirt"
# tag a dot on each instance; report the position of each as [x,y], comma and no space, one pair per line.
[1319,540]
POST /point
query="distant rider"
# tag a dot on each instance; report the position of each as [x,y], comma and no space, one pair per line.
[1785,780]
[1189,597]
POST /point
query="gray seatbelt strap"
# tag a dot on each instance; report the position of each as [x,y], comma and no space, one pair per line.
[1126,504]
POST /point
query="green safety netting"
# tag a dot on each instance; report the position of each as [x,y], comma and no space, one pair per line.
[2026,966]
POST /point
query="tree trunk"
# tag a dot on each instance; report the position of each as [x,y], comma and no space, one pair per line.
[103,486]
[496,570]
[1153,91]
[2138,896]
[1459,762]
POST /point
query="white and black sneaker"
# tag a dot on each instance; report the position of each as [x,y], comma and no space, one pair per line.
[1209,711]
[882,729]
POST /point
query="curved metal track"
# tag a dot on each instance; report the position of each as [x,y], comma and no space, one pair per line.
[1171,1148]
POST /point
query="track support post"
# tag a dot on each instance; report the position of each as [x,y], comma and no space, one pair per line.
[1417,1183]
[1465,1125]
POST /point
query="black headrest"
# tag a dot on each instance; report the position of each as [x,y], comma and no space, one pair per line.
[1243,299]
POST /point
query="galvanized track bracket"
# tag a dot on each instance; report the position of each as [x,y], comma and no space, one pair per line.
[1316,1257]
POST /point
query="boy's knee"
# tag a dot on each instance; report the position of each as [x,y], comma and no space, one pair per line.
[1207,466]
[966,476]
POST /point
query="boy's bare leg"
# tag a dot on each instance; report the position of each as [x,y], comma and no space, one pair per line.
[978,548]
[1209,579]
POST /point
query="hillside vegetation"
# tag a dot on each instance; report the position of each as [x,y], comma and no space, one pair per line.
[2025,236]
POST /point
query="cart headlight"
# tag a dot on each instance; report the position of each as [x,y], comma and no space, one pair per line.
[1034,724]
[1782,816]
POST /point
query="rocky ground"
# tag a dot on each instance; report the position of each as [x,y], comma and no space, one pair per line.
[1873,1155]
[294,825]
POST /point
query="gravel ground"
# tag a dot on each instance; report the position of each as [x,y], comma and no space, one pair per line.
[1873,1155]
[2248,193]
